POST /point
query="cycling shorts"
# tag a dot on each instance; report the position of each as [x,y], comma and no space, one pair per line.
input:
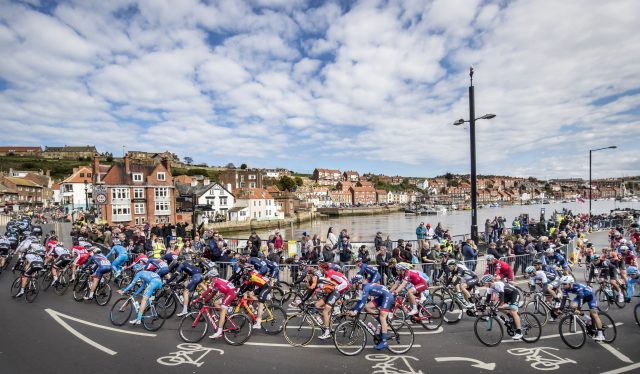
[33,268]
[375,279]
[62,261]
[421,287]
[593,303]
[4,251]
[331,298]
[512,300]
[195,280]
[163,271]
[384,302]
[263,293]
[154,285]
[117,263]
[472,283]
[101,270]
[228,298]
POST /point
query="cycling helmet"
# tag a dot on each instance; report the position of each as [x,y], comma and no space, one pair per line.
[595,257]
[632,270]
[75,241]
[402,266]
[136,268]
[537,262]
[623,241]
[53,237]
[549,251]
[97,251]
[359,260]
[529,269]
[487,278]
[248,267]
[323,265]
[624,248]
[490,257]
[452,262]
[357,279]
[213,273]
[336,267]
[567,279]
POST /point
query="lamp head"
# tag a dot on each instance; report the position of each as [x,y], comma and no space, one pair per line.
[458,122]
[613,147]
[488,116]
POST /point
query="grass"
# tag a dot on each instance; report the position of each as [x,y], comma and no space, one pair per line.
[59,169]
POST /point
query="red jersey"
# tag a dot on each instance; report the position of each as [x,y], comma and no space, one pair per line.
[50,246]
[502,270]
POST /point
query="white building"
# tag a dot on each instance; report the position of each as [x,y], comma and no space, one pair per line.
[423,185]
[398,197]
[72,190]
[259,203]
[213,200]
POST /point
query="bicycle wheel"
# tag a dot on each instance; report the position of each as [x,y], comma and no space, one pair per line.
[166,305]
[192,331]
[452,313]
[103,294]
[79,290]
[488,330]
[572,331]
[400,337]
[273,319]
[399,313]
[299,329]
[121,311]
[619,304]
[46,281]
[636,313]
[538,310]
[277,295]
[430,316]
[15,286]
[521,298]
[603,301]
[32,290]
[350,338]
[151,320]
[63,283]
[530,326]
[237,329]
[610,330]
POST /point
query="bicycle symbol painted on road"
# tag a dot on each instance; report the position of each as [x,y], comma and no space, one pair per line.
[189,354]
[541,357]
[386,364]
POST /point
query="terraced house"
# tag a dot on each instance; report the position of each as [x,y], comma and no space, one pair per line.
[136,193]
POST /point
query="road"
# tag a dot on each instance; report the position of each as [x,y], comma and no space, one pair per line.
[55,334]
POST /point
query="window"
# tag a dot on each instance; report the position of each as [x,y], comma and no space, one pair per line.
[252,176]
[67,188]
[89,175]
[162,176]
[243,213]
[242,184]
[138,208]
[81,175]
[162,207]
[120,193]
[119,210]
[162,193]
[252,185]
[242,178]
[138,193]
[137,177]
[223,200]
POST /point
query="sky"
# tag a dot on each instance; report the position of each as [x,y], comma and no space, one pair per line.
[372,86]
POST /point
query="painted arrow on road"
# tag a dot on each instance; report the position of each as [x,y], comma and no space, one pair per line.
[476,363]
[57,316]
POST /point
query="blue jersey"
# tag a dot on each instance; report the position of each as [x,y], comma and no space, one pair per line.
[189,268]
[580,290]
[260,265]
[145,276]
[557,259]
[374,290]
[98,260]
[272,266]
[118,250]
[631,283]
[156,263]
[368,272]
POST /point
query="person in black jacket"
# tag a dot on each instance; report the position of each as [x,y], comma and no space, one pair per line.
[255,240]
[382,260]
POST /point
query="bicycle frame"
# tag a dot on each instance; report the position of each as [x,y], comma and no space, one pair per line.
[213,319]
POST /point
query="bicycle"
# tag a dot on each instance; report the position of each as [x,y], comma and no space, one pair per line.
[273,317]
[30,291]
[350,339]
[606,296]
[82,288]
[574,328]
[123,308]
[300,328]
[488,326]
[194,326]
[539,307]
[429,314]
[60,288]
[168,300]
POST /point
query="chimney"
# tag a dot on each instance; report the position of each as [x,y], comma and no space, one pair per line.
[127,164]
[95,169]
[206,181]
[194,182]
[167,164]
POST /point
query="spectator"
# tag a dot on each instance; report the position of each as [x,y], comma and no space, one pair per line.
[345,251]
[331,238]
[383,257]
[428,258]
[255,240]
[317,244]
[470,254]
[493,250]
[328,255]
[277,240]
[363,254]
[378,241]
[407,253]
[421,231]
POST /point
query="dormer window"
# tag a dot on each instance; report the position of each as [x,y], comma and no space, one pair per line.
[162,176]
[137,177]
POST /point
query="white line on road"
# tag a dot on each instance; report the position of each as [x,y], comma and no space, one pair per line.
[616,353]
[623,369]
[551,336]
[79,335]
[53,312]
[307,346]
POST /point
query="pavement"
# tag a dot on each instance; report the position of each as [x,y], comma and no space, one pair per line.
[55,334]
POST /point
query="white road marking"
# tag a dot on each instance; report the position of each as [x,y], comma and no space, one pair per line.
[436,331]
[623,369]
[475,363]
[307,346]
[79,335]
[53,312]
[616,353]
[550,336]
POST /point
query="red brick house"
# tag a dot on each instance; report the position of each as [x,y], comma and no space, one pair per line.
[326,177]
[363,195]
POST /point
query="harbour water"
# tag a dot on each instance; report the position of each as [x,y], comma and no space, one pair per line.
[402,226]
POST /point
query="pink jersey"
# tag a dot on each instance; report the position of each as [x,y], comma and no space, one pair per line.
[413,277]
[141,259]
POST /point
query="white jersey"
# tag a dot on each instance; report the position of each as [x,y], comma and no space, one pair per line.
[59,251]
[539,276]
[32,257]
[23,247]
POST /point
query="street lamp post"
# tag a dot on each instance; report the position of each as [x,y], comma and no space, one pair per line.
[590,187]
[86,196]
[472,139]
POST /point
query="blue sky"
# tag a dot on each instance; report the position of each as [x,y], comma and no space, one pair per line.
[372,86]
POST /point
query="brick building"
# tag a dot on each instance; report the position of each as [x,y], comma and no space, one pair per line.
[29,193]
[70,152]
[241,178]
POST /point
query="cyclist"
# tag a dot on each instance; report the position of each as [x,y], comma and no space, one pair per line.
[633,281]
[608,271]
[61,258]
[157,265]
[80,252]
[273,272]
[150,283]
[417,282]
[463,280]
[312,276]
[259,264]
[253,281]
[584,294]
[499,269]
[369,273]
[333,284]
[555,259]
[50,245]
[382,300]
[121,256]
[34,263]
[508,298]
[186,269]
[102,266]
[546,280]
[5,246]
[217,284]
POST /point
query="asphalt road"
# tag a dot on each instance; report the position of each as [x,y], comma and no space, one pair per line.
[33,341]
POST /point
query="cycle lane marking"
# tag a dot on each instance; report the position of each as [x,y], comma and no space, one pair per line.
[550,336]
[184,355]
[52,312]
[80,336]
[623,369]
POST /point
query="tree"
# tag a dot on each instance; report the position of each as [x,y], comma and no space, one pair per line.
[299,181]
[243,166]
[230,166]
[448,176]
[188,160]
[286,183]
[109,156]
